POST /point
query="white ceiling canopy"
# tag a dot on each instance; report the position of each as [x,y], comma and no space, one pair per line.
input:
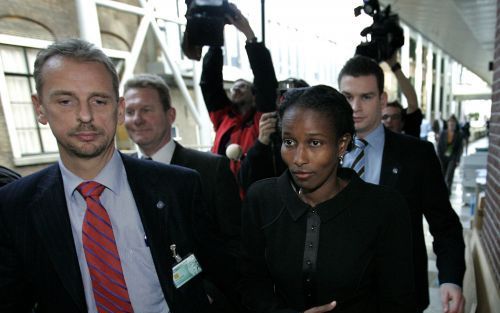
[464,29]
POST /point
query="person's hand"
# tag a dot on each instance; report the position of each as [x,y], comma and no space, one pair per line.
[240,22]
[452,299]
[324,308]
[267,126]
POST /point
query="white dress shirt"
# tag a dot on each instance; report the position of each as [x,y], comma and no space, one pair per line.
[164,155]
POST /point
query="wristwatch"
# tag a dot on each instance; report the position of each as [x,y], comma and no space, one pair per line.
[252,40]
[396,67]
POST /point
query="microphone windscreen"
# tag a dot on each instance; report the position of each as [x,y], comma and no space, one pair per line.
[234,152]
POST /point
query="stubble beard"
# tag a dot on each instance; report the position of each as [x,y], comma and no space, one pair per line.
[88,150]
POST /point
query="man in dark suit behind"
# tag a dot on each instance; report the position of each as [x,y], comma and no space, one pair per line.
[149,116]
[54,249]
[412,167]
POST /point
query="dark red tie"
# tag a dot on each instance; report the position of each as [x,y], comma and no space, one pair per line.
[103,260]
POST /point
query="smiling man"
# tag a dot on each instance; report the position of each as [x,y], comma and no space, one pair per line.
[149,116]
[410,166]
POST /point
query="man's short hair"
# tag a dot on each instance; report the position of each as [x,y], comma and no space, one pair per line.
[76,49]
[291,82]
[243,80]
[397,105]
[363,66]
[151,81]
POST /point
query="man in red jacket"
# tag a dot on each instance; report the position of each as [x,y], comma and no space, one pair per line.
[236,118]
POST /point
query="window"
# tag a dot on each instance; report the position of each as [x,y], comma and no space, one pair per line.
[33,138]
[175,133]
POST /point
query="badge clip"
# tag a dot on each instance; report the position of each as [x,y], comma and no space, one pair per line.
[174,253]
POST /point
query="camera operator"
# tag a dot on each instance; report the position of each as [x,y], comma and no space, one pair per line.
[236,118]
[263,159]
[396,118]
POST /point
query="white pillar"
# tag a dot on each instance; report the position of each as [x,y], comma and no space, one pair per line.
[447,106]
[405,61]
[88,21]
[205,127]
[428,81]
[419,69]
[437,89]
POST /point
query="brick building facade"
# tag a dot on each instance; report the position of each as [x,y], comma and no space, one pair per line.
[40,22]
[490,234]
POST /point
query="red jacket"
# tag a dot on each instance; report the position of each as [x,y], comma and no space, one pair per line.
[242,130]
[231,127]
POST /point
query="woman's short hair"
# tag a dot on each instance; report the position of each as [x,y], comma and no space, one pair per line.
[323,99]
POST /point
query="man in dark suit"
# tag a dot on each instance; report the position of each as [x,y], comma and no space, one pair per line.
[149,116]
[92,232]
[7,176]
[410,166]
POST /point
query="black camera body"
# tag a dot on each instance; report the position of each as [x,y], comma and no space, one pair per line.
[386,34]
[205,21]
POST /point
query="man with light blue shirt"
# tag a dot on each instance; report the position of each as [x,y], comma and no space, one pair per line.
[98,231]
[411,167]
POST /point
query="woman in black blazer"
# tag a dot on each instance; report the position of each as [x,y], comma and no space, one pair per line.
[450,149]
[318,238]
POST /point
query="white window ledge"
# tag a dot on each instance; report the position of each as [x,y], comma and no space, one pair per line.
[36,159]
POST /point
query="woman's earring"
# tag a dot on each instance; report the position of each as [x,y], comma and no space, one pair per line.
[341,159]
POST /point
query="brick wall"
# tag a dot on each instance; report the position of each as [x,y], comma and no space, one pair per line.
[491,229]
[52,14]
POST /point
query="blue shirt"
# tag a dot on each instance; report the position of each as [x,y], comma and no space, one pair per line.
[137,263]
[373,155]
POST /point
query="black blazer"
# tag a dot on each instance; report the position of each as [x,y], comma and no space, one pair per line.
[223,221]
[457,144]
[354,248]
[220,190]
[38,261]
[411,166]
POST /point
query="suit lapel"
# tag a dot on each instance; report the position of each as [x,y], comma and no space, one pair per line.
[153,211]
[51,220]
[391,167]
[177,157]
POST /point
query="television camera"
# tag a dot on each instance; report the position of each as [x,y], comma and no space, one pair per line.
[386,35]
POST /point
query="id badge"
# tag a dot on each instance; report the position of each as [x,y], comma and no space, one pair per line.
[185,270]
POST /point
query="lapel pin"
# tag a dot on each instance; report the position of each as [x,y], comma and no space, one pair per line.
[160,205]
[395,170]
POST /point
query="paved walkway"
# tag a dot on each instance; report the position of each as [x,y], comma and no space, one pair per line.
[464,211]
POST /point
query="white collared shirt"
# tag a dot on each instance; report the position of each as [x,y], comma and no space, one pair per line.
[137,263]
[164,155]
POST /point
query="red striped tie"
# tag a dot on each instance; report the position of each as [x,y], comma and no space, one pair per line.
[103,260]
